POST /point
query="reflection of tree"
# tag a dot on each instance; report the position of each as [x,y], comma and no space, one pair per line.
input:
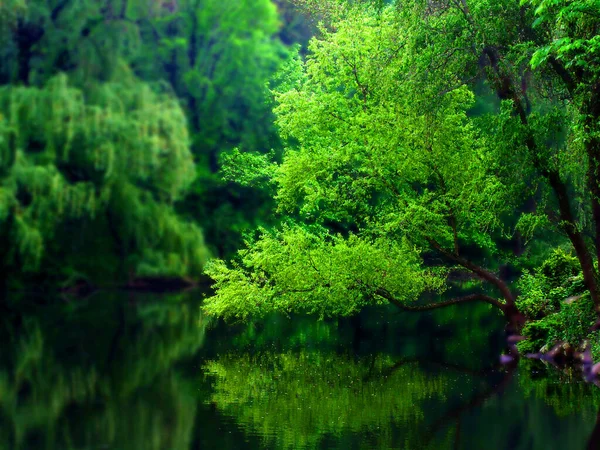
[121,375]
[297,399]
[538,409]
[563,391]
[437,335]
[118,388]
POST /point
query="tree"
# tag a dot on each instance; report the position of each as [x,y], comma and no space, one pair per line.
[113,158]
[570,53]
[218,57]
[389,164]
[376,162]
[166,86]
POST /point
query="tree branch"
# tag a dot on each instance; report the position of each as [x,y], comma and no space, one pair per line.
[364,90]
[564,75]
[455,301]
[477,270]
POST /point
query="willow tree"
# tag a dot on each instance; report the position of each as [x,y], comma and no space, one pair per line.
[113,159]
[378,177]
[93,158]
[390,162]
[214,57]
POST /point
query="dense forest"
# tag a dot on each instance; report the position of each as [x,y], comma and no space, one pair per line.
[282,224]
[310,156]
[113,119]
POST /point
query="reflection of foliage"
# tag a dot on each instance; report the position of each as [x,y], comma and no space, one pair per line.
[563,391]
[316,399]
[538,409]
[181,334]
[38,390]
[440,335]
[113,386]
[294,332]
[295,399]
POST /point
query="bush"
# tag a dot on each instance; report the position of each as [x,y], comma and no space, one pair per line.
[559,268]
[571,324]
[543,291]
[542,299]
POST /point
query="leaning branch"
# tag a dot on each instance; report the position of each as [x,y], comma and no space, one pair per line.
[477,270]
[455,301]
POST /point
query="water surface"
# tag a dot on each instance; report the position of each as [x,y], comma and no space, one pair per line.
[139,371]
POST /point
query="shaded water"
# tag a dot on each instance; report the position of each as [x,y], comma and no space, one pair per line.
[124,371]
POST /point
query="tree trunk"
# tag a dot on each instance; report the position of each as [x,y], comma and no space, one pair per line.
[591,111]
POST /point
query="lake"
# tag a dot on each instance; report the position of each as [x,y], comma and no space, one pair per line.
[129,371]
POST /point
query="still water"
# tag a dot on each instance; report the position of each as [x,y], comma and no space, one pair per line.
[148,372]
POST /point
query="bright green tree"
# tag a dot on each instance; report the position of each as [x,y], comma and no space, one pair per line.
[388,161]
[381,165]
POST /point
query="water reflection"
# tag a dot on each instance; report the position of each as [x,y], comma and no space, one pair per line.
[100,378]
[129,372]
[295,399]
[325,400]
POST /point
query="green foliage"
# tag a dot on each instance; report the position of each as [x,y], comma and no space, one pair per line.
[559,269]
[88,39]
[572,27]
[248,168]
[533,300]
[121,149]
[312,271]
[152,92]
[391,168]
[555,296]
[544,290]
[218,58]
[386,143]
[570,325]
